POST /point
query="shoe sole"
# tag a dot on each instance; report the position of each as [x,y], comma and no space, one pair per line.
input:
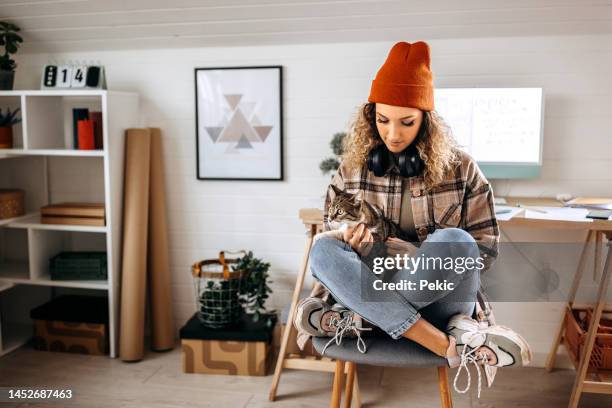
[299,316]
[467,324]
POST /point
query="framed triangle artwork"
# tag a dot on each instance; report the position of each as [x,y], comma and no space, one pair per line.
[239,118]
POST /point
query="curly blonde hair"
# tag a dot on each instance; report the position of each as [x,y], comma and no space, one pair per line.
[437,147]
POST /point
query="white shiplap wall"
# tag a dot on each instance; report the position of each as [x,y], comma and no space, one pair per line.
[323,84]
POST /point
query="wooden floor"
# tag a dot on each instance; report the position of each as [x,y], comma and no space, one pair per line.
[157,382]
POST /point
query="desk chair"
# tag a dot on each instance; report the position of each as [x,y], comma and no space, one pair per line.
[382,351]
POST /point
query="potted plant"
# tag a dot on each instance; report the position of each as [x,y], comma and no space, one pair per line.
[10,40]
[255,289]
[332,163]
[7,120]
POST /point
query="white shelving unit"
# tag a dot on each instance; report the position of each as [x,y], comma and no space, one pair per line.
[45,165]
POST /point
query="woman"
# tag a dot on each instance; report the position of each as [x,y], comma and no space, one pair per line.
[401,157]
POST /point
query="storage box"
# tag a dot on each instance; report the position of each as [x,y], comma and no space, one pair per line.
[11,203]
[576,326]
[78,266]
[241,349]
[74,324]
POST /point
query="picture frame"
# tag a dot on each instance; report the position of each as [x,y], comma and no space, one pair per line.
[239,123]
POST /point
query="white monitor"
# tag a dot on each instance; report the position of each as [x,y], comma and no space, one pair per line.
[500,127]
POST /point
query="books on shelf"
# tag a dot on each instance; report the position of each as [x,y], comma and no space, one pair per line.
[592,203]
[90,214]
[96,118]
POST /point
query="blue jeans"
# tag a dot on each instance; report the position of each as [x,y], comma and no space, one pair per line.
[340,269]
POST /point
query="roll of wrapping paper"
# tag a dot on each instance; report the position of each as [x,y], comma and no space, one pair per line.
[134,263]
[162,325]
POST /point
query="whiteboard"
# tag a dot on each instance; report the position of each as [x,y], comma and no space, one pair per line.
[494,125]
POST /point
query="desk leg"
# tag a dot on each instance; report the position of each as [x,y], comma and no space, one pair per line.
[294,300]
[550,361]
[597,259]
[583,366]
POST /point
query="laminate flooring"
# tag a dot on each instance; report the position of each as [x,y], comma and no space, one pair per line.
[158,382]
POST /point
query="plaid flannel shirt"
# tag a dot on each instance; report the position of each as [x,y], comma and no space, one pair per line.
[464,199]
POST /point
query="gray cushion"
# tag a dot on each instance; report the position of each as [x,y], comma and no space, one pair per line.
[382,351]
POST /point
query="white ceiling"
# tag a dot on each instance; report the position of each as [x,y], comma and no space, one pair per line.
[74,25]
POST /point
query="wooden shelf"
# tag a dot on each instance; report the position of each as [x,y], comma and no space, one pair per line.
[62,92]
[5,285]
[97,285]
[15,335]
[46,167]
[13,270]
[10,220]
[51,152]
[18,273]
[32,221]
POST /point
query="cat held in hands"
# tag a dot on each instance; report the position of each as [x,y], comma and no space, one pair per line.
[349,210]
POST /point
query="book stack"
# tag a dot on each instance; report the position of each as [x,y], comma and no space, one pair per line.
[88,135]
[92,214]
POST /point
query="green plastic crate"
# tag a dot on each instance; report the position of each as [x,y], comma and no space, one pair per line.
[78,266]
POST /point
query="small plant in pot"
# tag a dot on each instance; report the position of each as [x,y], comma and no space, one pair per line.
[7,120]
[255,289]
[10,40]
[331,164]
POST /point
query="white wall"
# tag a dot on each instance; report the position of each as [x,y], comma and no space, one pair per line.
[323,84]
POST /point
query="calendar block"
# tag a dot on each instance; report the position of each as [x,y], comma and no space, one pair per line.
[73,76]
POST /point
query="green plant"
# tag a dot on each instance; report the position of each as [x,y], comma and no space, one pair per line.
[9,118]
[332,163]
[10,40]
[255,289]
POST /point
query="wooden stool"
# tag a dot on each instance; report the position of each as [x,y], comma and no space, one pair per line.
[382,352]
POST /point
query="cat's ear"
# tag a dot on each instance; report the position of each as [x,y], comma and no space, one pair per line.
[335,189]
[359,195]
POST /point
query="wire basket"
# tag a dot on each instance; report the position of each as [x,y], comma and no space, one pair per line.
[217,290]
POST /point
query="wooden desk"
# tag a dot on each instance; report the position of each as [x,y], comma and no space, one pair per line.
[595,229]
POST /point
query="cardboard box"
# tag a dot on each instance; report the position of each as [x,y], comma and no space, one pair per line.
[74,324]
[82,338]
[243,349]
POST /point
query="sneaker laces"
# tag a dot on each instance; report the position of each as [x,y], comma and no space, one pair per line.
[475,357]
[344,325]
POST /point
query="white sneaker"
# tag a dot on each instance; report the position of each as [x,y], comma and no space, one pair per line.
[497,346]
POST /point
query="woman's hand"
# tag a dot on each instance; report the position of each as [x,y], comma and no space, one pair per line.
[359,238]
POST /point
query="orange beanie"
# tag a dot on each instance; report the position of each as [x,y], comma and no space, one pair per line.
[405,78]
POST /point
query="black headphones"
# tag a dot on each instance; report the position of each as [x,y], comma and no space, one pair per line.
[409,162]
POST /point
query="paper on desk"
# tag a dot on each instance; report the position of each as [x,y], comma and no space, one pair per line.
[507,215]
[558,213]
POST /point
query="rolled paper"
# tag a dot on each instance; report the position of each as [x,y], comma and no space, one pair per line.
[135,233]
[160,283]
